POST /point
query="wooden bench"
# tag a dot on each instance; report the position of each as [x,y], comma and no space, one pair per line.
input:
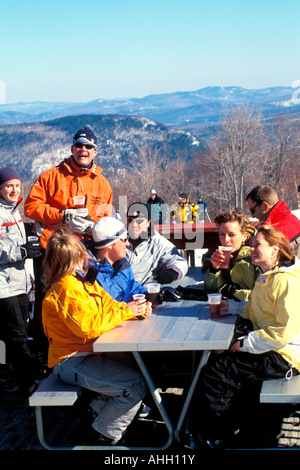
[281,390]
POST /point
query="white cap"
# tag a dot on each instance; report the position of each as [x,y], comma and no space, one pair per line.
[152,191]
[107,231]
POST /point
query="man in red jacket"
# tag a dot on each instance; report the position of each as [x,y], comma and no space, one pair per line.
[264,204]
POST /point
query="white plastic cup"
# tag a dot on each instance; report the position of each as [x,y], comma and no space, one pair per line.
[214,301]
[153,291]
[79,201]
[227,253]
[137,297]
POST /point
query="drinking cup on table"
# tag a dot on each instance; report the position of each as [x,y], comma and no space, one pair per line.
[153,293]
[227,253]
[139,299]
[214,301]
[79,201]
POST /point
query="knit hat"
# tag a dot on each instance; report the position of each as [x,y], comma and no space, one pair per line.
[107,231]
[138,209]
[86,135]
[8,174]
[152,191]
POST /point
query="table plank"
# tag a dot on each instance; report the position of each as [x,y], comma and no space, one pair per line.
[168,330]
[208,333]
[123,337]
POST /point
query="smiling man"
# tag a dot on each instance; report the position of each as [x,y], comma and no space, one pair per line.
[50,201]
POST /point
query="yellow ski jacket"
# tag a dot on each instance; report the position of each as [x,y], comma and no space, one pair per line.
[75,314]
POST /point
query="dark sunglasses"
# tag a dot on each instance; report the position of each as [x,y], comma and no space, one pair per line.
[80,145]
[137,220]
[252,209]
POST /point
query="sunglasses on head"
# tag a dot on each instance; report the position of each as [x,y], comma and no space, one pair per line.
[80,145]
[137,220]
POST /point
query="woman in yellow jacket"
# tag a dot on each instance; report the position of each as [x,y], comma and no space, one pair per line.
[269,349]
[76,312]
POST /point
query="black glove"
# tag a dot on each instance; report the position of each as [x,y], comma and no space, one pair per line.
[228,290]
[167,276]
[31,250]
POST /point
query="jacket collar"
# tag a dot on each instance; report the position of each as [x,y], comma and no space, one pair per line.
[79,170]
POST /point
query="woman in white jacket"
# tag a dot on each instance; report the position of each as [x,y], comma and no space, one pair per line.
[15,283]
[270,349]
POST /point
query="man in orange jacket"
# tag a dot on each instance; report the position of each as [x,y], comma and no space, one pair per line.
[50,201]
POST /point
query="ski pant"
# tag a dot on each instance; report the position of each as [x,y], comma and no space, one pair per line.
[124,385]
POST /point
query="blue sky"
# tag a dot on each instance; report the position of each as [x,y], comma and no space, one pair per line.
[70,50]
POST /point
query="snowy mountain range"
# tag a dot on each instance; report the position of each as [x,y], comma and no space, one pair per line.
[191,110]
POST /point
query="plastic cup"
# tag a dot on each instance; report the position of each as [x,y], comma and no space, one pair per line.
[138,297]
[227,253]
[79,201]
[153,291]
[214,301]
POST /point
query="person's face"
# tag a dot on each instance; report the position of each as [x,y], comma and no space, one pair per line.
[257,210]
[83,153]
[11,191]
[230,234]
[263,254]
[118,249]
[183,200]
[152,196]
[136,226]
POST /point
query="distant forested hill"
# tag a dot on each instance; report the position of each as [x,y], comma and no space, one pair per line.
[33,147]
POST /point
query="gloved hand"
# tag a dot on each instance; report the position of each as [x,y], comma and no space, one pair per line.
[167,276]
[73,212]
[78,220]
[31,250]
[228,290]
[80,225]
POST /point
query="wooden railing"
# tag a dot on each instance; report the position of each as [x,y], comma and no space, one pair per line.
[191,237]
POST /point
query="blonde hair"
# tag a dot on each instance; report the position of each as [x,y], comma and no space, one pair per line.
[64,254]
[274,237]
[241,218]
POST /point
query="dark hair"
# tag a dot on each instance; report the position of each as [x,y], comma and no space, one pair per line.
[237,216]
[259,194]
[138,209]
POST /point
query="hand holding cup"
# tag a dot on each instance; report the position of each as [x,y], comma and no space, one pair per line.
[221,257]
[140,307]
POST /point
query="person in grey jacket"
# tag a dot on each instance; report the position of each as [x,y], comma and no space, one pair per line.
[15,283]
[151,256]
